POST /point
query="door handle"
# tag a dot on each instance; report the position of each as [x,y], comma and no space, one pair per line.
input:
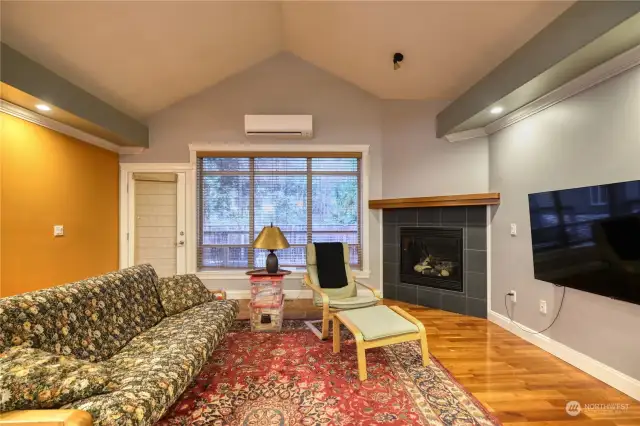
[180,243]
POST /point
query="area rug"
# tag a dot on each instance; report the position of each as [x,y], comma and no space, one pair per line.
[293,378]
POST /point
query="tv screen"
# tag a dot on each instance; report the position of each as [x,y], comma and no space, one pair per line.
[589,239]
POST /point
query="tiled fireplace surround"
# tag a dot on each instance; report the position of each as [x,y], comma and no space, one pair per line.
[473,221]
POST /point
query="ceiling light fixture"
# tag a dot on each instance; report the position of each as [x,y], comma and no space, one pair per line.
[496,110]
[43,107]
[397,59]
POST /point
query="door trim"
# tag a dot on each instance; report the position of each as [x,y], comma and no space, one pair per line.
[127,214]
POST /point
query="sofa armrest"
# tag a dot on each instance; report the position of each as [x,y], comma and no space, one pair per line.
[46,418]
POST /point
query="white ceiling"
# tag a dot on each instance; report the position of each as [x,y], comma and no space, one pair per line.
[143,56]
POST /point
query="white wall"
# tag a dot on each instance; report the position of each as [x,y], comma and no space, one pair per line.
[400,134]
[592,138]
[417,164]
[284,84]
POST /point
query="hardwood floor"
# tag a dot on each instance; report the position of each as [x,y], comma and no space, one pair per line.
[519,382]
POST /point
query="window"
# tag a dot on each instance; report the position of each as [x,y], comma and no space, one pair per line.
[599,195]
[311,199]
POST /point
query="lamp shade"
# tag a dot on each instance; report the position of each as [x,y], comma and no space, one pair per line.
[271,238]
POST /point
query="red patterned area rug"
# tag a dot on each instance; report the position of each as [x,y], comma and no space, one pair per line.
[293,378]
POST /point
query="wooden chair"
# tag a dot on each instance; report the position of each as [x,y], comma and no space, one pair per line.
[334,300]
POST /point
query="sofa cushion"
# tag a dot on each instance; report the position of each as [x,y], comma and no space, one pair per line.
[181,292]
[33,379]
[155,367]
[90,319]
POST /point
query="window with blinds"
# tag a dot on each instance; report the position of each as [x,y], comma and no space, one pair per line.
[311,199]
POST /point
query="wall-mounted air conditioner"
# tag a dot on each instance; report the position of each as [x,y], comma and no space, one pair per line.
[279,126]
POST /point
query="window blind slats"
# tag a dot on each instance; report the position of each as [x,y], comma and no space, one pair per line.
[309,203]
[312,199]
[302,154]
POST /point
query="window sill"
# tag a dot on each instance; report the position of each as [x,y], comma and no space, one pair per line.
[241,275]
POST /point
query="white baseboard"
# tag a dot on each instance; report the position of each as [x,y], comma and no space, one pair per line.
[600,371]
[289,294]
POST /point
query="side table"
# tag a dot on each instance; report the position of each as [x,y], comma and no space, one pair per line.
[267,300]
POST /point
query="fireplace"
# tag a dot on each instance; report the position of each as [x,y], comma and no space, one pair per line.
[432,257]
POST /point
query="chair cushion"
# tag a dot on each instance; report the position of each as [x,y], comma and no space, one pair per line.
[33,379]
[378,322]
[311,254]
[181,292]
[350,290]
[353,302]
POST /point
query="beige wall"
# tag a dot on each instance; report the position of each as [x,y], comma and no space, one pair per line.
[590,139]
[417,164]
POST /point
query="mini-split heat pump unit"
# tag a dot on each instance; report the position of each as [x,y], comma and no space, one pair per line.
[279,126]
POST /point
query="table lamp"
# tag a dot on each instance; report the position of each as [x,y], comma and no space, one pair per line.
[271,238]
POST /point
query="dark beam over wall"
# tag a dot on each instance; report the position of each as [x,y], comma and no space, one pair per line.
[578,26]
[24,74]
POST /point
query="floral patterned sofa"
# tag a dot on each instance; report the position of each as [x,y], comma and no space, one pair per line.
[130,342]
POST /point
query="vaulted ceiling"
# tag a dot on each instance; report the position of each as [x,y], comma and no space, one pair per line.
[143,56]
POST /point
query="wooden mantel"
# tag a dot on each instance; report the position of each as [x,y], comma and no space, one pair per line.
[490,198]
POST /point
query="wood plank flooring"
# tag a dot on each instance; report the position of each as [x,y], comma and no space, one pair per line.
[517,381]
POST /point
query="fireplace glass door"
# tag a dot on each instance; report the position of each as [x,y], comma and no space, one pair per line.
[432,257]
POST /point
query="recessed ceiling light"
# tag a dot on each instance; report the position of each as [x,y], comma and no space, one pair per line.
[496,110]
[43,107]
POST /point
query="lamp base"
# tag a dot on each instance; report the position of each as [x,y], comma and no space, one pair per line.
[272,263]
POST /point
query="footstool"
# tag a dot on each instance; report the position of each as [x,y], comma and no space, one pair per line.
[379,326]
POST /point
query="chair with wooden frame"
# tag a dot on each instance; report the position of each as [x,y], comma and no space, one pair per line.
[334,300]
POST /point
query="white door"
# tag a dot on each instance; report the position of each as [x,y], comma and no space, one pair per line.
[159,221]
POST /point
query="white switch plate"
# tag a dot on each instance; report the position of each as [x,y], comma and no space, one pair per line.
[543,306]
[58,230]
[514,229]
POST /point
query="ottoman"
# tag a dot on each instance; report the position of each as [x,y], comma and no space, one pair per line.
[379,326]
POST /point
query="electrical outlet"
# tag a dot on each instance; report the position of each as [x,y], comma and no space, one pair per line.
[58,230]
[543,307]
[513,296]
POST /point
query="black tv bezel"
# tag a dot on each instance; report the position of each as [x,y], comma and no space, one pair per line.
[633,301]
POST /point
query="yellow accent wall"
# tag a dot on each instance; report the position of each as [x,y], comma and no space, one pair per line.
[47,179]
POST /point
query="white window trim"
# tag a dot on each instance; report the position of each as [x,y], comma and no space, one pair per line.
[192,246]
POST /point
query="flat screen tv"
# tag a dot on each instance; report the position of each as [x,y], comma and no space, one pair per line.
[589,239]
